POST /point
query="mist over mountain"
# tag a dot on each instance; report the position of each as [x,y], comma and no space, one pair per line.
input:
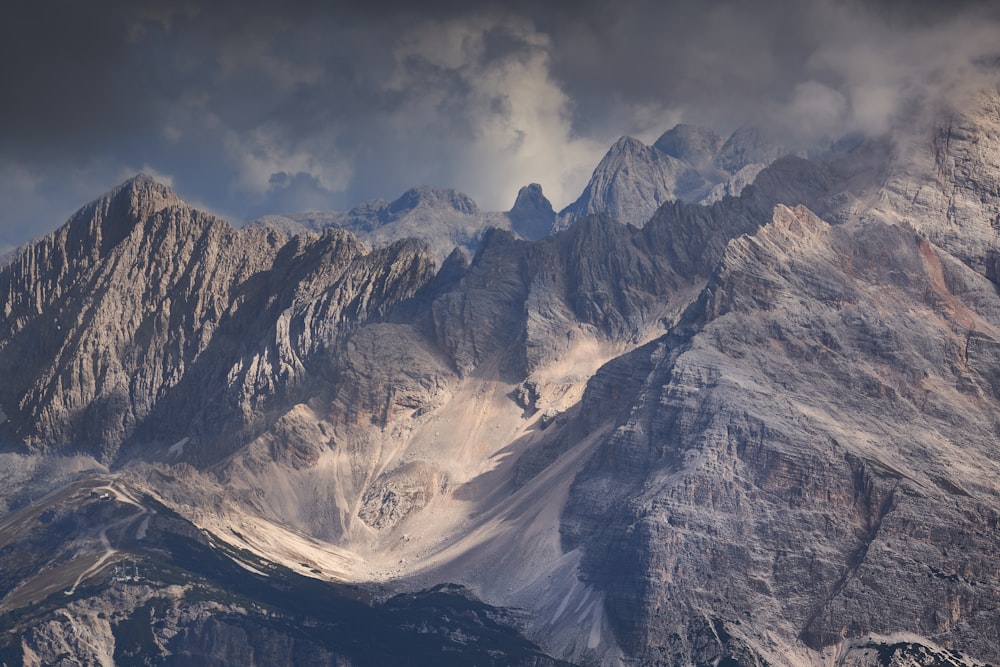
[444,219]
[738,407]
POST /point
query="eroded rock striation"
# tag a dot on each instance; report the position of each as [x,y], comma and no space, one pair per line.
[791,453]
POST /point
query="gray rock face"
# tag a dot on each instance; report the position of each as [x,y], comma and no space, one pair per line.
[945,182]
[792,452]
[615,279]
[630,183]
[745,147]
[103,316]
[143,299]
[686,163]
[532,216]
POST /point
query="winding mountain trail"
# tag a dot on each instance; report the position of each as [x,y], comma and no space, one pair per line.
[109,550]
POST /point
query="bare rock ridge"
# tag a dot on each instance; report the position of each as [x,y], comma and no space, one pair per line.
[760,430]
[688,163]
[442,218]
[112,344]
[89,332]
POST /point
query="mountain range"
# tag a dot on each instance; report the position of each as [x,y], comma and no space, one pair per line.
[686,163]
[737,404]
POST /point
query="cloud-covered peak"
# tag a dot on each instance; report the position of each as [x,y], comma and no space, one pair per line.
[691,143]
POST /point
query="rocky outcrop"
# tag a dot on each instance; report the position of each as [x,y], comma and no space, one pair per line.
[532,216]
[945,180]
[397,494]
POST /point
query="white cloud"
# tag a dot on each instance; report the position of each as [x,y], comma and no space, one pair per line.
[815,110]
[866,72]
[512,121]
[260,154]
[647,121]
[263,109]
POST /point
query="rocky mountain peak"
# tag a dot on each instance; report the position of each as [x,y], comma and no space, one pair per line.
[687,163]
[108,219]
[626,146]
[432,197]
[138,198]
[630,183]
[145,191]
[532,215]
[531,196]
[443,218]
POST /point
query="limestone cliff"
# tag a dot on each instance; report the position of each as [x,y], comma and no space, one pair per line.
[813,445]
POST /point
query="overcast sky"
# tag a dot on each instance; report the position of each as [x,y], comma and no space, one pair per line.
[255,107]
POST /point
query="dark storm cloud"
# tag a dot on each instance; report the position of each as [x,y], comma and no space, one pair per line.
[730,63]
[256,107]
[61,75]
